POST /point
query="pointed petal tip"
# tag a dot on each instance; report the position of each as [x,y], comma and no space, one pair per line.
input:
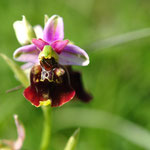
[16,54]
[23,17]
[55,16]
[46,15]
[15,116]
[86,62]
[54,29]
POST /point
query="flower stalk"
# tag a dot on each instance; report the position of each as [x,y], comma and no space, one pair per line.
[45,141]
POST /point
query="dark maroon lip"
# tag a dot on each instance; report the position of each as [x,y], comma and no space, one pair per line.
[59,88]
[56,88]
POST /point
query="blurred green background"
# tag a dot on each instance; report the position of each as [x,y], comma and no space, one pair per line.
[118,77]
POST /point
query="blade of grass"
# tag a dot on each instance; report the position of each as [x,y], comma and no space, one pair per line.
[119,39]
[72,142]
[80,117]
[19,73]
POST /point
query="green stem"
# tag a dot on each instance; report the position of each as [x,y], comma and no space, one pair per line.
[46,128]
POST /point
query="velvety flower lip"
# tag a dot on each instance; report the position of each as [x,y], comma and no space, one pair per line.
[53,35]
[48,87]
[52,87]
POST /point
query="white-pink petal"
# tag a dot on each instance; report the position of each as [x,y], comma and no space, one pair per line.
[54,29]
[16,145]
[28,53]
[73,55]
[21,134]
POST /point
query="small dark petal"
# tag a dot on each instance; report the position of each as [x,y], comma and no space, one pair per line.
[77,85]
[39,43]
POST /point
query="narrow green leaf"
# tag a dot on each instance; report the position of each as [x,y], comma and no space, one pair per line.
[119,39]
[72,142]
[75,117]
[19,73]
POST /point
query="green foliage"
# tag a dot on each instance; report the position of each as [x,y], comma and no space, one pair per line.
[72,142]
[18,72]
[118,77]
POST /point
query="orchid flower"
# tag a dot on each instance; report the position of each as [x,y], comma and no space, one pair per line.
[15,145]
[52,81]
[53,35]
